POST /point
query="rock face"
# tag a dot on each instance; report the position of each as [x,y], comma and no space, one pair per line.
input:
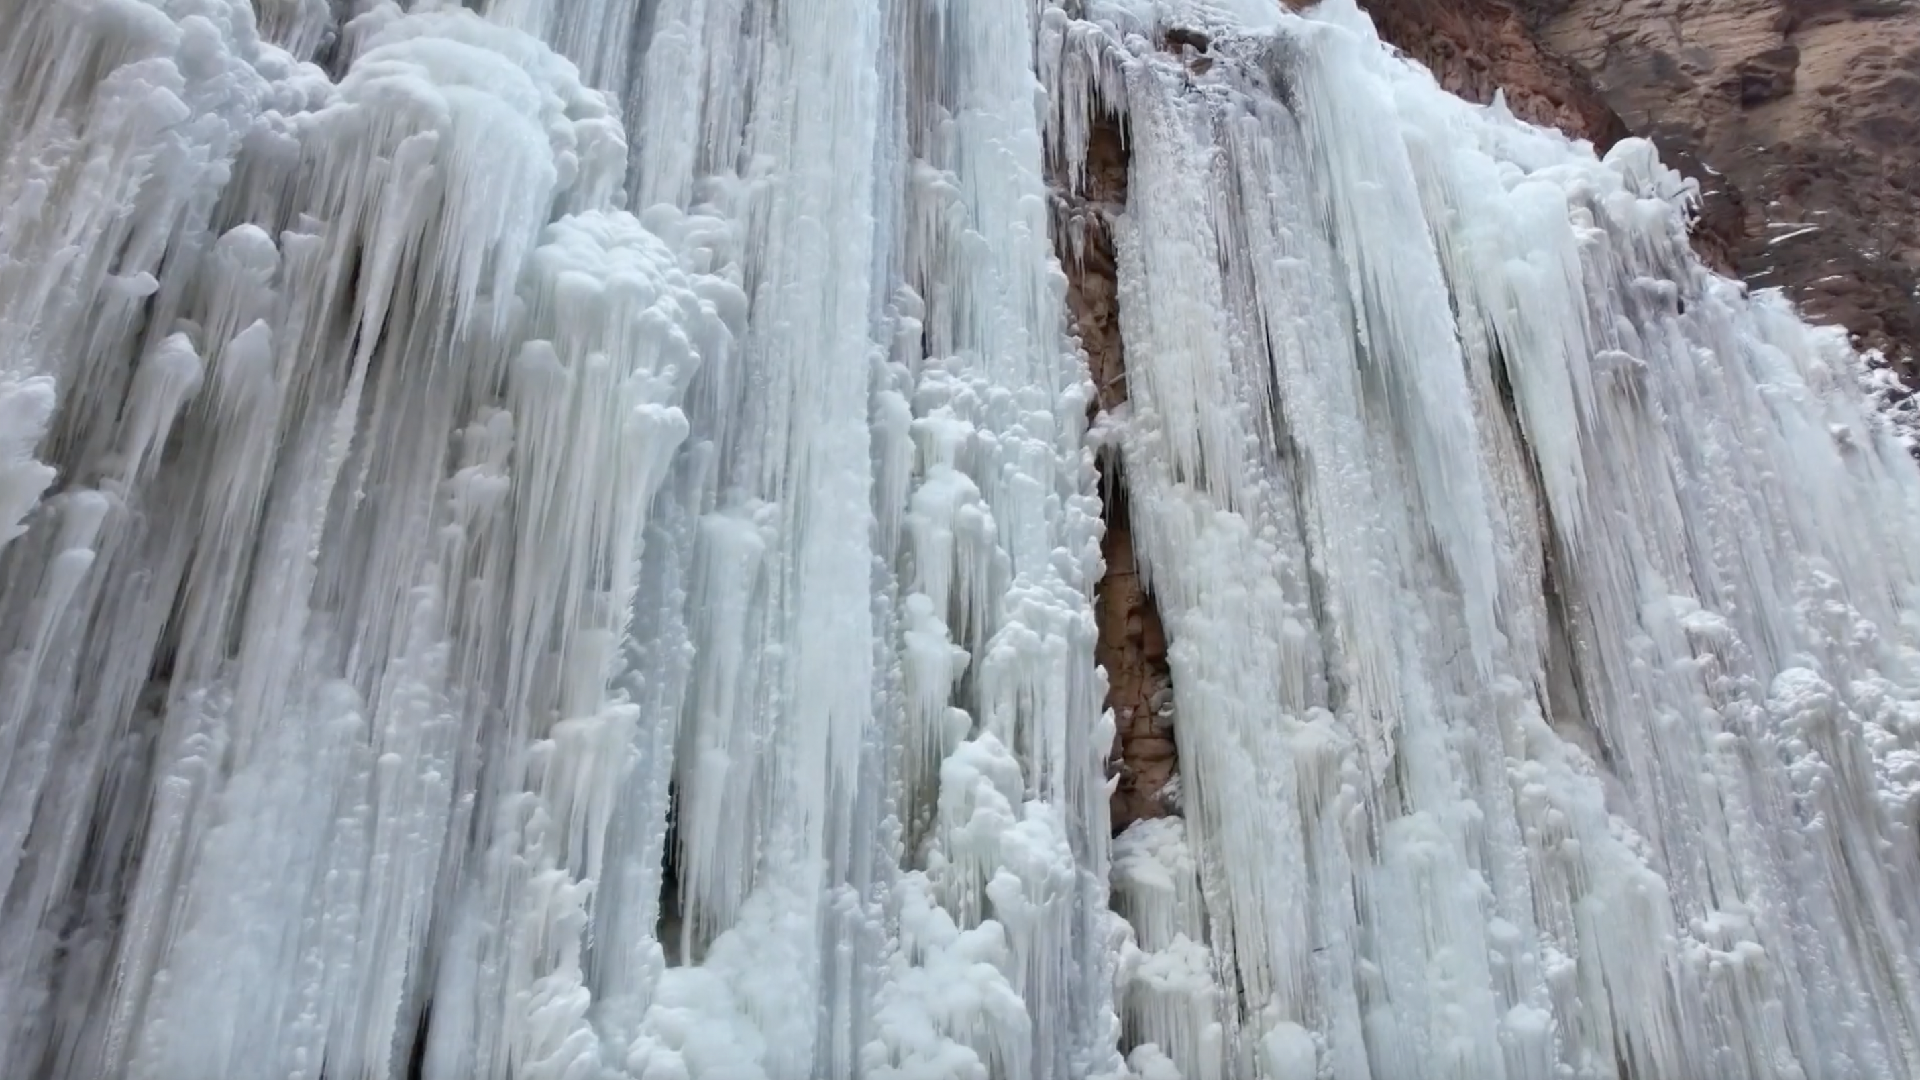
[1810,107]
[1132,647]
[1800,119]
[1475,47]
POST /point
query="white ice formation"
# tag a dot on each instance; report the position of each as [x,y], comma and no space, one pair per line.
[555,540]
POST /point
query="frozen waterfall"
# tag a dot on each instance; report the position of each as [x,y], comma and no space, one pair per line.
[557,540]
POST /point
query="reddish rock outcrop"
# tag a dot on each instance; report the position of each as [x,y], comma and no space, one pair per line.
[1475,47]
[1800,119]
[1810,107]
[1133,649]
[1132,646]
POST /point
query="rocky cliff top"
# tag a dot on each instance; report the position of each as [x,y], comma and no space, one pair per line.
[1800,119]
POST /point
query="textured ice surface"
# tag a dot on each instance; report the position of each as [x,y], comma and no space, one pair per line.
[554,540]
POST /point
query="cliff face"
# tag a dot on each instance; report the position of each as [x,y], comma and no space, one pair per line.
[1800,119]
[1811,107]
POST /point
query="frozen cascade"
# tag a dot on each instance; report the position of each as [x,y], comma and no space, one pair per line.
[556,539]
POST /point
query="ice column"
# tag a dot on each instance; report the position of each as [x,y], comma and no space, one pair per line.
[1004,737]
[568,599]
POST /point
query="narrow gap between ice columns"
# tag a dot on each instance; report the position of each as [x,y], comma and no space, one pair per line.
[1132,645]
[1154,882]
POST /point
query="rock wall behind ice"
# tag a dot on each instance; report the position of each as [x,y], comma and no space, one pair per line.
[561,539]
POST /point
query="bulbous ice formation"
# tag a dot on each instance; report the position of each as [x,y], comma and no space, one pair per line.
[557,540]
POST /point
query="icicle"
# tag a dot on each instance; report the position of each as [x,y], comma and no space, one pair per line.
[26,408]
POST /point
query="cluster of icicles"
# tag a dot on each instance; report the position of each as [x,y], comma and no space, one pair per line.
[554,541]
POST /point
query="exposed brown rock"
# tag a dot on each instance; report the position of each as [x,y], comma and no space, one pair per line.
[1765,76]
[1093,301]
[1132,646]
[1133,649]
[1475,47]
[1809,107]
[1790,114]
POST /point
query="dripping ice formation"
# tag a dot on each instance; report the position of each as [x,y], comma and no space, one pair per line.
[557,541]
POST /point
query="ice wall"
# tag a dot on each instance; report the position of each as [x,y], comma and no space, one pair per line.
[554,538]
[1540,605]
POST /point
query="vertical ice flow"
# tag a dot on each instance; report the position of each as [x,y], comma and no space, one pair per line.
[555,538]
